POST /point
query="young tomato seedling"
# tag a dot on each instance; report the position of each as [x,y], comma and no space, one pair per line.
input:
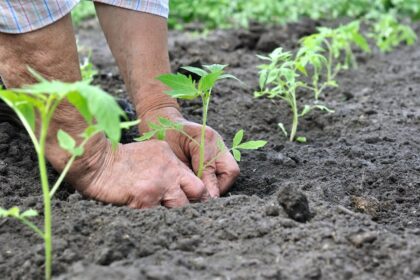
[39,101]
[330,50]
[388,33]
[320,58]
[184,87]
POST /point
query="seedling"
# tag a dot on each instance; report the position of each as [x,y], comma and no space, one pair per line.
[388,33]
[184,87]
[320,58]
[329,49]
[87,69]
[35,106]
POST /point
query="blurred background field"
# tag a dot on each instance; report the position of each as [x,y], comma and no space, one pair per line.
[212,14]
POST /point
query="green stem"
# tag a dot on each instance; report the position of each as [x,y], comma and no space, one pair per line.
[32,226]
[216,157]
[46,196]
[206,100]
[62,176]
[66,169]
[295,118]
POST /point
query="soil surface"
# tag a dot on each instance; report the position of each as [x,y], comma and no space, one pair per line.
[359,173]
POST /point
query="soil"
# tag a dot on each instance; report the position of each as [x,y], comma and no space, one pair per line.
[344,205]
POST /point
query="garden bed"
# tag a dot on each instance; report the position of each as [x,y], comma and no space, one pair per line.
[360,171]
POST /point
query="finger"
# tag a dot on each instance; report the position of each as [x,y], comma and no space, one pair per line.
[174,198]
[209,179]
[194,188]
[227,171]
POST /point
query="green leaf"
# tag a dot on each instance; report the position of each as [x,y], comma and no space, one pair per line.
[323,108]
[127,125]
[104,109]
[215,67]
[252,145]
[361,42]
[198,71]
[283,129]
[13,212]
[332,83]
[65,141]
[78,151]
[209,80]
[28,112]
[81,105]
[182,87]
[145,136]
[238,138]
[166,122]
[161,134]
[229,76]
[262,57]
[236,154]
[301,139]
[305,110]
[29,213]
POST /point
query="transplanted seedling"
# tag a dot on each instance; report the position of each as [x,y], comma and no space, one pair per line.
[320,58]
[328,52]
[184,87]
[388,33]
[35,105]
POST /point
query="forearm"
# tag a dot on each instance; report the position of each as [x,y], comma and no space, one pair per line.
[138,42]
[55,60]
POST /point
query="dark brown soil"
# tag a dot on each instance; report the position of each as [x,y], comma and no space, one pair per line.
[359,171]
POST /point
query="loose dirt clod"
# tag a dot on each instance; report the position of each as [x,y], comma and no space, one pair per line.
[365,237]
[295,204]
[367,205]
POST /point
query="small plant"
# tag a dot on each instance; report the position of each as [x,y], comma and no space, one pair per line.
[320,58]
[184,87]
[388,33]
[35,106]
[87,69]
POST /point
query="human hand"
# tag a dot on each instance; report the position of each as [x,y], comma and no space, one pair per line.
[221,169]
[139,175]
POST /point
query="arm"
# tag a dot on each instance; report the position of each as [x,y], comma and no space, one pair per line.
[138,42]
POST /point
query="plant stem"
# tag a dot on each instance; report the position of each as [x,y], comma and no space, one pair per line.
[32,226]
[206,100]
[66,169]
[62,176]
[330,60]
[46,196]
[295,118]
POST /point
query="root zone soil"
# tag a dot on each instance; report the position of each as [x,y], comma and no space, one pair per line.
[358,173]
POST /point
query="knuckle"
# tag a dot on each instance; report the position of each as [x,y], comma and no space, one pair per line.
[234,171]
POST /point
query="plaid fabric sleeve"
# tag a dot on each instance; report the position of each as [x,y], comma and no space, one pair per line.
[156,7]
[20,16]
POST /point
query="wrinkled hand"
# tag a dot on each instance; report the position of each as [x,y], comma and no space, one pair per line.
[139,175]
[219,174]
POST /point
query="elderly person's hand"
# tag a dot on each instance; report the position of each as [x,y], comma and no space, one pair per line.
[219,174]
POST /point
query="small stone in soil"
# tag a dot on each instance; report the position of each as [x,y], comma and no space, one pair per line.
[272,210]
[295,204]
[359,239]
[368,205]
